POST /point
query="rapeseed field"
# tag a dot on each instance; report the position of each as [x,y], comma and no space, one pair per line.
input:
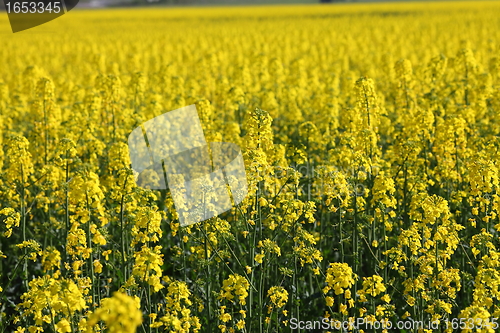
[370,135]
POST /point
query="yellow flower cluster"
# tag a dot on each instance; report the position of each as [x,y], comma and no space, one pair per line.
[52,300]
[11,219]
[278,296]
[119,313]
[235,286]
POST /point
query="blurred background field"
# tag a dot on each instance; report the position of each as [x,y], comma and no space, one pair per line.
[385,117]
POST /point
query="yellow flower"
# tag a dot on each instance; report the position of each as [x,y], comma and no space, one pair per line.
[20,165]
[373,285]
[119,312]
[97,266]
[225,317]
[278,296]
[147,266]
[63,326]
[240,324]
[12,219]
[51,258]
[259,257]
[386,298]
[235,285]
[33,247]
[106,254]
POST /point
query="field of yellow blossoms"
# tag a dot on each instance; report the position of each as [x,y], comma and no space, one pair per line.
[370,134]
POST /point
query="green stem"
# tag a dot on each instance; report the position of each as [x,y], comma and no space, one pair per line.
[66,217]
[207,285]
[91,263]
[23,223]
[122,238]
